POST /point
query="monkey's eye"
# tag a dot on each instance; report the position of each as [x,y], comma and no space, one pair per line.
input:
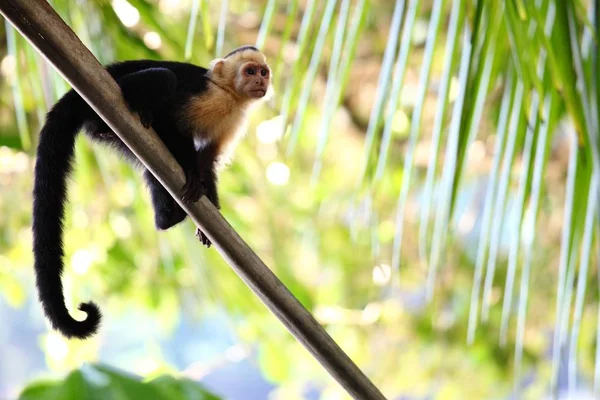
[250,71]
[263,72]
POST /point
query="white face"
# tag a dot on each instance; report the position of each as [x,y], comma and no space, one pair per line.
[254,79]
[246,72]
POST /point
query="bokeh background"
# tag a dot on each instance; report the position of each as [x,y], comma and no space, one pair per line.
[424,182]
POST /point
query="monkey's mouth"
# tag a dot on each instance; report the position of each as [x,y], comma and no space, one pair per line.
[258,93]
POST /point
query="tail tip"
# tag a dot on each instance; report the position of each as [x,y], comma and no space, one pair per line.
[86,328]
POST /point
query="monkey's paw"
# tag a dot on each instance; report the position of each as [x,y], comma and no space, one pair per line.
[202,238]
[193,188]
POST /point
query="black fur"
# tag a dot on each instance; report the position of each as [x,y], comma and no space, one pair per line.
[157,91]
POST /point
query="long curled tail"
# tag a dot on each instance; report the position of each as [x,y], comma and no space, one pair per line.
[55,152]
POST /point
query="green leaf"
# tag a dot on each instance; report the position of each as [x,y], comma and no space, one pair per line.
[99,382]
[452,37]
[175,388]
[41,390]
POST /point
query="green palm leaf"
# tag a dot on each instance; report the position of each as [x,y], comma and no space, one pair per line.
[484,202]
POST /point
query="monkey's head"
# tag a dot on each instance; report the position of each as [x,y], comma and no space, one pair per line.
[245,72]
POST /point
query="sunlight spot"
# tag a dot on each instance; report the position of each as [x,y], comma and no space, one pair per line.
[371,313]
[98,253]
[120,226]
[495,296]
[467,222]
[56,347]
[409,95]
[13,161]
[236,353]
[328,314]
[147,365]
[81,261]
[128,14]
[382,274]
[477,152]
[278,173]
[271,130]
[400,123]
[25,235]
[454,87]
[80,219]
[419,34]
[169,5]
[152,40]
[267,152]
[20,162]
[122,193]
[289,52]
[445,320]
[249,20]
[8,66]
[528,230]
[386,230]
[422,153]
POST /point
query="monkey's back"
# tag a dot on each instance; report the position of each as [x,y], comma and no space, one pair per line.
[190,81]
[190,77]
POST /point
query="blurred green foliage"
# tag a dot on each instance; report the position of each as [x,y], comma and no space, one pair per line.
[332,235]
[102,382]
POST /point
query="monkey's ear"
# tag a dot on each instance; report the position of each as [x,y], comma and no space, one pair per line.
[216,66]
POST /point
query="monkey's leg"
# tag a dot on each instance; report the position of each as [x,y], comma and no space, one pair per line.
[145,90]
[205,168]
[206,160]
[167,213]
[185,153]
[199,172]
[193,188]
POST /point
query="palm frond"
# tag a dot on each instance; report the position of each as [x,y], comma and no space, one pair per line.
[447,161]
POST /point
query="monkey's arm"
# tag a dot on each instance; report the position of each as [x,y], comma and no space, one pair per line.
[145,90]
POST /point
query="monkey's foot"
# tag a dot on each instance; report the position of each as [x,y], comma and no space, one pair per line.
[202,238]
[193,189]
[107,135]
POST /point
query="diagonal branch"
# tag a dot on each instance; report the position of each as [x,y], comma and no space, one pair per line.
[47,32]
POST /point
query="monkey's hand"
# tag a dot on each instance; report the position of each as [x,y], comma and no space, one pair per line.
[202,238]
[193,188]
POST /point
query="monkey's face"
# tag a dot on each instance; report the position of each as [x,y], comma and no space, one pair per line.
[254,79]
[246,72]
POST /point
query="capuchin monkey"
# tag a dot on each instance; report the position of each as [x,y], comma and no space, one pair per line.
[198,113]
